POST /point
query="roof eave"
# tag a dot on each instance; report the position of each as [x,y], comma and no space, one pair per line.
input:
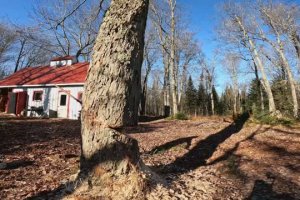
[42,85]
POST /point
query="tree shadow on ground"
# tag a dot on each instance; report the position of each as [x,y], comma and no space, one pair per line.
[16,164]
[263,190]
[187,141]
[231,151]
[28,134]
[144,128]
[204,149]
[145,118]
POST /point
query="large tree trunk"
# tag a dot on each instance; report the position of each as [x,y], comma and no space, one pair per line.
[111,98]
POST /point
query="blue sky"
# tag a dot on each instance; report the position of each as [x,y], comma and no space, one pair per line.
[201,17]
[16,11]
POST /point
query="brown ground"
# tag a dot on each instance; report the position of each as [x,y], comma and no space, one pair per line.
[204,158]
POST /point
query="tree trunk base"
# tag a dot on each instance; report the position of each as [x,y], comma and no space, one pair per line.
[277,114]
[109,186]
[103,176]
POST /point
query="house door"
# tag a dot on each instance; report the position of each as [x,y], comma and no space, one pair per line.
[21,102]
[11,105]
[63,105]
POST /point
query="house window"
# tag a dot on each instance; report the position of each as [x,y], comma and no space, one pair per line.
[63,100]
[37,96]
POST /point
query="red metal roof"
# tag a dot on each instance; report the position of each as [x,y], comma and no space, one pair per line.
[72,74]
[63,58]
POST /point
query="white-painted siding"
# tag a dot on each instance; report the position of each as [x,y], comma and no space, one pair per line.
[50,99]
[63,62]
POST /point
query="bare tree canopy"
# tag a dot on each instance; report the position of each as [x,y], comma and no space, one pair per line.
[71,26]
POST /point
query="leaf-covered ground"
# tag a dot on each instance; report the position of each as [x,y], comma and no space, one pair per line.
[203,158]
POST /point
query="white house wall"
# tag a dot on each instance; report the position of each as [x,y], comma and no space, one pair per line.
[51,97]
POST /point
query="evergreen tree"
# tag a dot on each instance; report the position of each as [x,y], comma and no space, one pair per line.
[216,100]
[282,95]
[202,99]
[190,97]
[226,101]
[255,97]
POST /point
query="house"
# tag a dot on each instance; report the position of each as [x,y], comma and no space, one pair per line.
[53,91]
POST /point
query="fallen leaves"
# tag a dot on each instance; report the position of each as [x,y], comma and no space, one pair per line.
[37,156]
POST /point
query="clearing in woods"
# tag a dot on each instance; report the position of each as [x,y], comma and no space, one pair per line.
[203,158]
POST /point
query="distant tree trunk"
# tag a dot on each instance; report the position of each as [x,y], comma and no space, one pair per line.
[111,99]
[173,69]
[212,102]
[143,101]
[145,86]
[266,84]
[262,105]
[291,83]
[182,83]
[234,103]
[259,88]
[166,86]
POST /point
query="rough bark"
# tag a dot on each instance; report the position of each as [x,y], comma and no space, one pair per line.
[111,99]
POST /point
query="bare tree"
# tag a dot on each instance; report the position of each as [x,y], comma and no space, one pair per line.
[271,15]
[187,51]
[72,26]
[7,38]
[30,49]
[232,62]
[239,28]
[150,57]
[208,74]
[173,67]
[159,16]
[284,17]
